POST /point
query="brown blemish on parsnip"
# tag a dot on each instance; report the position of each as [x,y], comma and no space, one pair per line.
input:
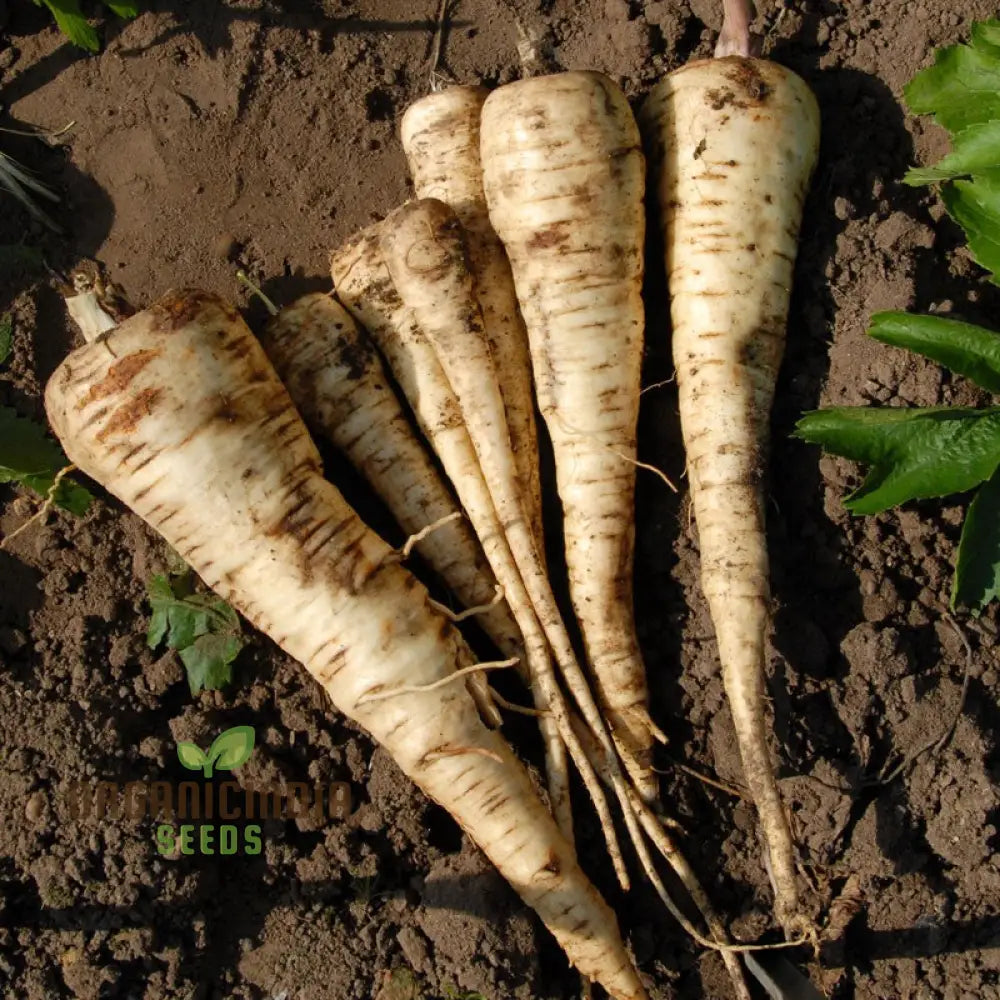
[120,376]
[126,417]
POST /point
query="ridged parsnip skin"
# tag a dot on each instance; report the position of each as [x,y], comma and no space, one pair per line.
[564,176]
[336,380]
[180,415]
[364,285]
[440,135]
[735,141]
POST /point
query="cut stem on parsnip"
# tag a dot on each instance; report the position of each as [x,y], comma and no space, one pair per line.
[734,141]
[563,175]
[180,415]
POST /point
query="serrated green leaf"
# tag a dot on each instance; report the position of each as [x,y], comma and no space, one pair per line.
[975,206]
[977,572]
[6,336]
[191,756]
[969,350]
[202,628]
[208,661]
[232,748]
[73,24]
[913,453]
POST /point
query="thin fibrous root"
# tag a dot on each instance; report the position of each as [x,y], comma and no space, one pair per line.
[476,668]
[460,616]
[570,429]
[510,706]
[416,539]
[437,76]
[42,511]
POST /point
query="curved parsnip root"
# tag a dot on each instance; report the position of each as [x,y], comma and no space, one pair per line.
[337,382]
[440,135]
[564,176]
[180,415]
[365,287]
[736,141]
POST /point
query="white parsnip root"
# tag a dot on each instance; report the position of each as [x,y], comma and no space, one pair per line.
[563,175]
[364,285]
[336,380]
[735,142]
[440,135]
[179,414]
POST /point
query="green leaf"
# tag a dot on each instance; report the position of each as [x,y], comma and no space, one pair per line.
[962,88]
[208,661]
[203,629]
[232,748]
[974,150]
[191,756]
[913,453]
[975,206]
[30,457]
[25,449]
[157,628]
[969,350]
[123,10]
[73,24]
[6,336]
[977,573]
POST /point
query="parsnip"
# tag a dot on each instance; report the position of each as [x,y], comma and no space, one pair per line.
[440,135]
[178,413]
[336,380]
[735,141]
[426,256]
[563,175]
[364,285]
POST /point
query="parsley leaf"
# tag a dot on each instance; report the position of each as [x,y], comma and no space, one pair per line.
[203,628]
[30,457]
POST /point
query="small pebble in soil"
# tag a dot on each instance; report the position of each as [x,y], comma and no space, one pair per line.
[35,807]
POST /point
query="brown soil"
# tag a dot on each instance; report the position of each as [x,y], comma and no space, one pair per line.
[261,134]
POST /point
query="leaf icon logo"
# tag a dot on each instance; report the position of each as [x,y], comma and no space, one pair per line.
[229,750]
